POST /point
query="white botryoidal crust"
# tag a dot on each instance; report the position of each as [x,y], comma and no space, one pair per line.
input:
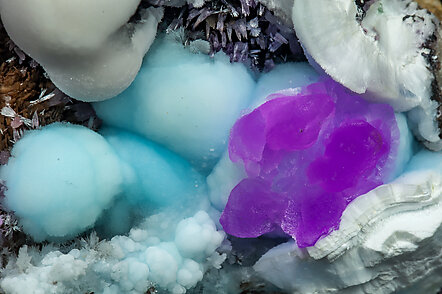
[88,48]
[388,239]
[382,54]
[166,251]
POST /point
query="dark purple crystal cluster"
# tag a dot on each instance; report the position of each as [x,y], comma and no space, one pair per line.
[307,156]
[244,29]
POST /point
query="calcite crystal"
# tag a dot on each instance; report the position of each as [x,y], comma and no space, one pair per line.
[307,156]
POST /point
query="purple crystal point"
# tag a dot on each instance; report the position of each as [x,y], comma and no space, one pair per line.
[312,215]
[307,156]
[351,155]
[264,211]
[284,123]
[294,122]
[250,141]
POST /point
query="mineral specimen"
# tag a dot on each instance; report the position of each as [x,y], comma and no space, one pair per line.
[182,100]
[161,253]
[388,239]
[121,172]
[314,151]
[311,162]
[287,75]
[55,175]
[28,99]
[227,174]
[247,31]
[382,49]
[88,49]
[154,176]
[177,3]
[433,6]
[281,8]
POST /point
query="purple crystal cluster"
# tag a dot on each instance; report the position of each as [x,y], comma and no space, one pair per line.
[307,156]
[243,29]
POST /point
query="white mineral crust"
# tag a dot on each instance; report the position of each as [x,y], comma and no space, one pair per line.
[88,48]
[388,239]
[381,53]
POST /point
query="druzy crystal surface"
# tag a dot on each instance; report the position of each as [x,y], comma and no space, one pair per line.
[307,155]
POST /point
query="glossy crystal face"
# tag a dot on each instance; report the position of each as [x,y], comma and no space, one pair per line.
[307,156]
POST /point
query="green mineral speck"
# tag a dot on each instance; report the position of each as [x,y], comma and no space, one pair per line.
[380,8]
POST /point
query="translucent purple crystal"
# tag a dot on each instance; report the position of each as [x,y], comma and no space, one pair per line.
[307,156]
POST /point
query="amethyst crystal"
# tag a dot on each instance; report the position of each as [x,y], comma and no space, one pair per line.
[307,156]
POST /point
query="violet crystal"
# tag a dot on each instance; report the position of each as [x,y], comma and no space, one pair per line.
[307,156]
